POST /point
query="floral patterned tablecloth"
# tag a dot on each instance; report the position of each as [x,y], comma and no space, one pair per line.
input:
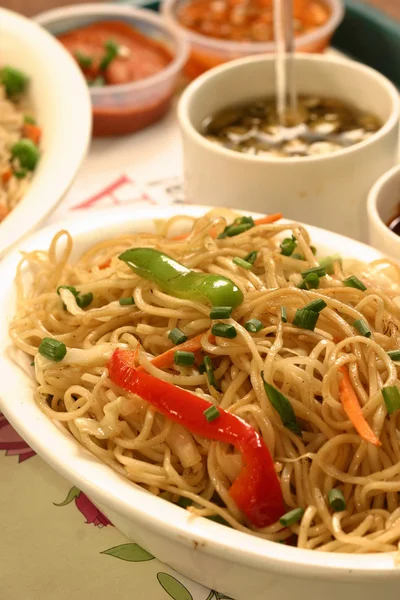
[55,544]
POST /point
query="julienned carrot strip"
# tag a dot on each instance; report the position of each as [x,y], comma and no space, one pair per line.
[33,132]
[166,359]
[268,219]
[213,232]
[6,175]
[352,408]
[105,264]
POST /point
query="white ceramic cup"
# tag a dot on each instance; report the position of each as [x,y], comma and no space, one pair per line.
[383,203]
[329,191]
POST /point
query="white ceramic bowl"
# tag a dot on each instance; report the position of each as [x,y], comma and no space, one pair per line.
[243,566]
[61,103]
[328,191]
[383,202]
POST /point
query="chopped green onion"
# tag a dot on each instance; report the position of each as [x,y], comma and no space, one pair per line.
[202,368]
[240,262]
[183,358]
[71,288]
[128,301]
[313,250]
[84,60]
[310,282]
[316,305]
[20,173]
[305,318]
[336,500]
[320,271]
[328,263]
[253,326]
[14,81]
[26,152]
[177,336]
[283,407]
[394,355]
[224,330]
[251,257]
[112,50]
[354,282]
[292,517]
[221,312]
[210,372]
[52,349]
[288,246]
[283,314]
[33,363]
[235,229]
[391,396]
[29,120]
[84,300]
[211,413]
[244,220]
[362,327]
[184,502]
[97,81]
[298,256]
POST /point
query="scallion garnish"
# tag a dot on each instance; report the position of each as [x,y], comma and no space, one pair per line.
[52,349]
[224,330]
[305,318]
[84,60]
[283,407]
[328,263]
[29,120]
[112,50]
[391,396]
[316,305]
[310,282]
[298,256]
[211,413]
[394,355]
[177,336]
[336,500]
[202,368]
[84,300]
[240,225]
[291,517]
[354,282]
[313,250]
[210,372]
[320,271]
[253,325]
[251,257]
[362,327]
[283,314]
[183,358]
[240,262]
[128,301]
[71,288]
[288,246]
[221,312]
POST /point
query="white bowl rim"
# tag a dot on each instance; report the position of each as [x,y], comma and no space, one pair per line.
[372,201]
[217,44]
[111,489]
[26,208]
[194,86]
[144,14]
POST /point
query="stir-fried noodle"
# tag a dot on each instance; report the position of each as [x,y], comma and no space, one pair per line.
[308,367]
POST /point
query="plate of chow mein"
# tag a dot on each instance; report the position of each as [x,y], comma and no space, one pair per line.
[223,385]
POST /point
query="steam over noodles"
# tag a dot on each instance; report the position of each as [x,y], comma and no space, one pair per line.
[307,366]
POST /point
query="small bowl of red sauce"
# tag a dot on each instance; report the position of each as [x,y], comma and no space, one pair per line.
[221,30]
[130,57]
[384,213]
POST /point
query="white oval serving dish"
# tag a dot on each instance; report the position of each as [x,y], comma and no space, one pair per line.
[237,564]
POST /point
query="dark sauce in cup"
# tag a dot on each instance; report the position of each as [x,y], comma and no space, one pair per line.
[394,222]
[320,126]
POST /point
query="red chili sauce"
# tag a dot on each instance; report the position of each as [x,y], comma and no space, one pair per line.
[113,53]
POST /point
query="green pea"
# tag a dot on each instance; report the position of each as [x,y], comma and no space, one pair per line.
[27,153]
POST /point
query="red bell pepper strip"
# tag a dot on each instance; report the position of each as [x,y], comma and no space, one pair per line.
[256,490]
